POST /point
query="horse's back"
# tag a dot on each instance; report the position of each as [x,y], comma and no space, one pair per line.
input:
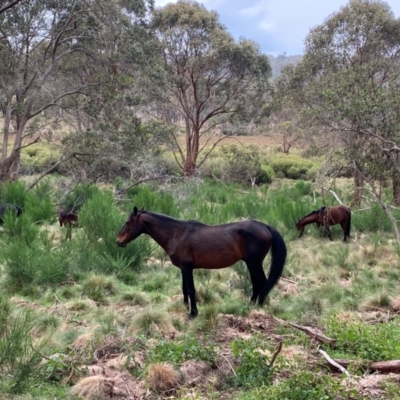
[8,206]
[5,207]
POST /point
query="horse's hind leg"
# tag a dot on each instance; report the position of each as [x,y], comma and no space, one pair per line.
[185,292]
[258,279]
[343,224]
[187,276]
[328,232]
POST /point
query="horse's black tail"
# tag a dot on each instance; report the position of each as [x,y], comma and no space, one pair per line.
[348,227]
[278,259]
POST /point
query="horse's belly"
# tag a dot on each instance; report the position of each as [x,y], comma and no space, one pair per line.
[210,260]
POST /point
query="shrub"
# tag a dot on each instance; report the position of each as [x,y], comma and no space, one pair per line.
[37,157]
[18,361]
[244,164]
[14,193]
[291,166]
[367,342]
[39,204]
[253,368]
[101,222]
[78,196]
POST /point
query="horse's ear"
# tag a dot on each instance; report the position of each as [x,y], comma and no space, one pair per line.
[135,210]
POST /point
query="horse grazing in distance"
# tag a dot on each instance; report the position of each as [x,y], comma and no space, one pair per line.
[192,244]
[9,207]
[67,218]
[328,216]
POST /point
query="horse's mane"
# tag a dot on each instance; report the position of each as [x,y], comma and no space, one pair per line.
[322,209]
[167,218]
[311,213]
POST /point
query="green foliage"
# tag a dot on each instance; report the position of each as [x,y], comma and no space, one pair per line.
[291,166]
[378,342]
[253,368]
[243,164]
[180,350]
[303,385]
[18,361]
[209,51]
[155,201]
[98,287]
[37,157]
[14,193]
[374,219]
[244,280]
[39,204]
[101,222]
[151,322]
[304,188]
[25,265]
[27,257]
[77,197]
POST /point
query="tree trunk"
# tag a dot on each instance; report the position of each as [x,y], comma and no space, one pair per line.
[192,149]
[189,168]
[7,168]
[6,134]
[396,184]
[358,188]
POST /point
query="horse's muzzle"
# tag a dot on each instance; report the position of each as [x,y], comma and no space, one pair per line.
[121,244]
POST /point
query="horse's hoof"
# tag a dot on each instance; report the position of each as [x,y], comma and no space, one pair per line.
[192,315]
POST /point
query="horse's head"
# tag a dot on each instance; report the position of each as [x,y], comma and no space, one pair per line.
[131,229]
[300,226]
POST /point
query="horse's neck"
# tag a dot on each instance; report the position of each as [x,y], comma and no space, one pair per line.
[308,220]
[161,229]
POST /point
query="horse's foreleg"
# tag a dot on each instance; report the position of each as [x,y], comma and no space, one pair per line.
[329,233]
[187,276]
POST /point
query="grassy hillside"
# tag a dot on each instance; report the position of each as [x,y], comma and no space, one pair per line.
[83,317]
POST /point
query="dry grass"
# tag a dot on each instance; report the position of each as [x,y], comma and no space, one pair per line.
[94,388]
[162,377]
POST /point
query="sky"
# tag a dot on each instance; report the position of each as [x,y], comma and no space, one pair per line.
[277,26]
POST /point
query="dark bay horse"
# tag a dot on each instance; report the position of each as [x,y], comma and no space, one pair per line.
[67,218]
[9,207]
[192,244]
[328,216]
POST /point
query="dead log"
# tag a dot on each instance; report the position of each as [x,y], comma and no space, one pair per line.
[315,334]
[383,367]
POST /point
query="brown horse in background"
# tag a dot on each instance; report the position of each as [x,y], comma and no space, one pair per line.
[67,218]
[328,216]
[192,244]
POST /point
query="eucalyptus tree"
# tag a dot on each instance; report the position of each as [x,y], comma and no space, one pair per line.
[52,54]
[349,86]
[6,5]
[204,75]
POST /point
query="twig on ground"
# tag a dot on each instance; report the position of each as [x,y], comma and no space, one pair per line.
[276,352]
[333,362]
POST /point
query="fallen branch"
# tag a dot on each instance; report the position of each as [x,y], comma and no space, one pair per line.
[383,367]
[334,195]
[333,362]
[315,334]
[276,352]
[288,280]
